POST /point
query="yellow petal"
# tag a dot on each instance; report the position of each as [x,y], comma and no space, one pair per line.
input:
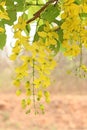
[13,57]
[42,34]
[1,30]
[4,15]
[3,3]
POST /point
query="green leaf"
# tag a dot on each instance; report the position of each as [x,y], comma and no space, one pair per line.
[11,10]
[20,5]
[60,34]
[9,4]
[2,40]
[55,48]
[83,15]
[27,28]
[12,7]
[12,16]
[59,22]
[36,37]
[50,13]
[62,49]
[78,1]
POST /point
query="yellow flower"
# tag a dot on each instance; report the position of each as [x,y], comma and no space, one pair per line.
[22,71]
[39,94]
[2,3]
[45,80]
[4,15]
[84,8]
[68,2]
[71,24]
[47,27]
[18,92]
[40,59]
[84,68]
[28,92]
[22,68]
[13,56]
[16,82]
[47,96]
[28,101]
[54,35]
[42,108]
[49,34]
[16,50]
[26,59]
[21,24]
[17,43]
[27,84]
[17,34]
[42,34]
[37,83]
[83,35]
[21,75]
[65,44]
[52,64]
[1,30]
[72,50]
[23,103]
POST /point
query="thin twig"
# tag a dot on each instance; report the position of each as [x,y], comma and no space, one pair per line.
[81,54]
[37,14]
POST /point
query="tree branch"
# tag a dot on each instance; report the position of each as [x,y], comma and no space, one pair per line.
[37,14]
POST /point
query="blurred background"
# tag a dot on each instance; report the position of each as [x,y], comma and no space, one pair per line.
[68,107]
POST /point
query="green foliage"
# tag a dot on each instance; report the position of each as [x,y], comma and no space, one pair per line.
[51,12]
[83,15]
[78,1]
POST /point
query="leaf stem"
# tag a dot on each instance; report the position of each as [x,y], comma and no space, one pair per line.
[81,54]
[34,86]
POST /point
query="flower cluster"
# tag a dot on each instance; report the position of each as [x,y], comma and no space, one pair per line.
[21,40]
[36,63]
[74,26]
[3,14]
[81,71]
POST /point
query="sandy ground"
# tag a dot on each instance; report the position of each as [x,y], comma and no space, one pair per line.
[65,112]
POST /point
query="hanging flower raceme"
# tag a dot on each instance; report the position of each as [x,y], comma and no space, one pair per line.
[49,35]
[36,64]
[74,15]
[74,26]
[21,40]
